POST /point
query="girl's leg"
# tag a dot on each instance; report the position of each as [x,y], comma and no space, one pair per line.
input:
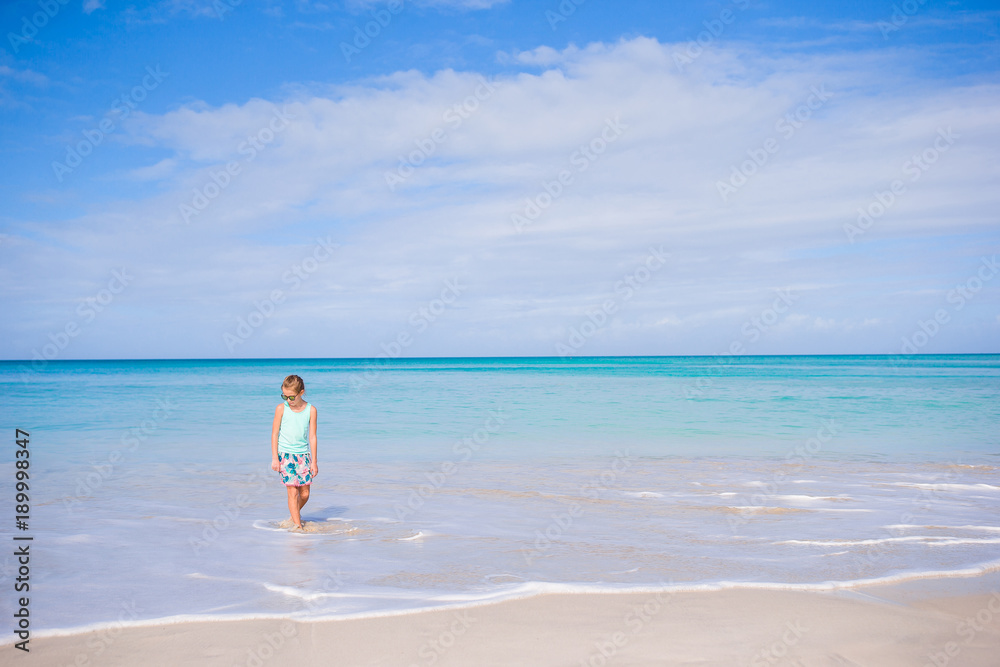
[303,496]
[293,505]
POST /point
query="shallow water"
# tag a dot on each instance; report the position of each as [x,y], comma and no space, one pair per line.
[444,481]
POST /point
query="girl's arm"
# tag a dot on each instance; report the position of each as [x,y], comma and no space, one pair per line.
[312,439]
[275,427]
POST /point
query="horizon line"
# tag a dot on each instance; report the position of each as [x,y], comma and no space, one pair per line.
[386,358]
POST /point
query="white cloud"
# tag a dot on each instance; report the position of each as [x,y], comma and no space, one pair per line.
[90,6]
[450,4]
[165,10]
[463,4]
[154,172]
[24,75]
[325,174]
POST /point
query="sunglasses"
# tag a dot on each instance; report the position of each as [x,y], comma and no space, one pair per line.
[288,398]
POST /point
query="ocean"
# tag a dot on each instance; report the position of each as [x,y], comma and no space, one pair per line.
[455,481]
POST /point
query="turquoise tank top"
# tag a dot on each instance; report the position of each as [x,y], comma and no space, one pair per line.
[293,434]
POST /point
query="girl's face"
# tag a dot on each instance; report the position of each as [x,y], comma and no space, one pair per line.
[289,394]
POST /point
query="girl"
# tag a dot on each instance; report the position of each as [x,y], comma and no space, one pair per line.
[293,445]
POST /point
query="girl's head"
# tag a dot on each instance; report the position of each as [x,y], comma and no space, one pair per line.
[293,387]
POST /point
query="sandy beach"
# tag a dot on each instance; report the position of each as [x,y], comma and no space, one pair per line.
[468,333]
[920,623]
[629,548]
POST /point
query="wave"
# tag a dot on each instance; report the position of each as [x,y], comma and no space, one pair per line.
[900,526]
[808,499]
[529,589]
[931,540]
[419,535]
[947,486]
[309,527]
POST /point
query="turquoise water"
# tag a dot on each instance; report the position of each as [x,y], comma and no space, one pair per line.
[410,409]
[445,480]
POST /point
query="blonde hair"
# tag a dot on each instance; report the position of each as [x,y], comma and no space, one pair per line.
[294,382]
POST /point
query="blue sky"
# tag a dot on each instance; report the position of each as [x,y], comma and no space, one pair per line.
[198,178]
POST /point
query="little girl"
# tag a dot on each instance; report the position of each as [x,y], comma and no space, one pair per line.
[293,445]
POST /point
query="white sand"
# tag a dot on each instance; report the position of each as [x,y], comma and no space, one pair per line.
[879,627]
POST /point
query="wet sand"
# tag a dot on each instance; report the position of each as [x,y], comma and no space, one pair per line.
[940,622]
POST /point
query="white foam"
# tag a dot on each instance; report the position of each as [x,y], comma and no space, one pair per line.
[901,526]
[312,528]
[502,574]
[291,591]
[642,494]
[528,589]
[927,539]
[759,508]
[419,535]
[264,524]
[949,487]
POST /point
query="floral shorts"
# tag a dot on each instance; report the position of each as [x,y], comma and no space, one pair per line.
[294,469]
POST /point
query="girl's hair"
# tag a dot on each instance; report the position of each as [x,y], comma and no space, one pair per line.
[294,382]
